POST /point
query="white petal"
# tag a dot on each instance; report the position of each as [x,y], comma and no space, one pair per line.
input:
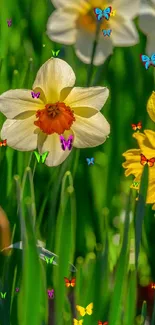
[147,18]
[127,8]
[90,132]
[56,155]
[20,134]
[61,27]
[150,47]
[70,4]
[124,32]
[15,102]
[94,97]
[52,77]
[84,47]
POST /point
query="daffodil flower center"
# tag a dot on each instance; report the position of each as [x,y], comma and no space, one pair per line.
[87,20]
[55,118]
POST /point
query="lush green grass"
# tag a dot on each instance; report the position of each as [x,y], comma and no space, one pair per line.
[73,206]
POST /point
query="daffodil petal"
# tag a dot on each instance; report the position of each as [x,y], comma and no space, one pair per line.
[124,32]
[132,163]
[94,97]
[52,77]
[20,134]
[61,27]
[56,155]
[70,4]
[90,132]
[126,8]
[84,47]
[146,142]
[151,137]
[15,102]
[147,17]
[150,46]
[151,106]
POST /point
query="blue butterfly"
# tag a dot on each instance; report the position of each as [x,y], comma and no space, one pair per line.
[147,61]
[106,32]
[90,161]
[102,13]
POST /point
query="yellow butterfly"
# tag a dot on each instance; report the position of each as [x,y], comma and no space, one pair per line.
[83,311]
[113,13]
[77,322]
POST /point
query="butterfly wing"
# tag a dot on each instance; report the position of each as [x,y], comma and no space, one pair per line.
[98,13]
[46,259]
[33,94]
[4,143]
[51,259]
[88,161]
[151,162]
[53,53]
[109,31]
[75,321]
[69,142]
[106,13]
[37,156]
[57,52]
[139,125]
[63,142]
[4,295]
[81,310]
[44,156]
[92,161]
[67,282]
[73,282]
[37,94]
[134,127]
[105,323]
[89,309]
[145,60]
[153,59]
[100,322]
[143,160]
[104,32]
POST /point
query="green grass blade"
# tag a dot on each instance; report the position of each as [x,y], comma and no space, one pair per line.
[140,211]
[121,273]
[64,248]
[129,314]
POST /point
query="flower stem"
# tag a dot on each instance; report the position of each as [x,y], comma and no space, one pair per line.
[90,71]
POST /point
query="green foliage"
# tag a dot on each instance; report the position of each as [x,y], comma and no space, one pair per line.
[72,207]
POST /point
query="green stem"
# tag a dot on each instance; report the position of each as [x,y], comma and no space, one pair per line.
[90,72]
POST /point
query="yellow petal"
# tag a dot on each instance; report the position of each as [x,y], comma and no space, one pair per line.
[15,102]
[90,132]
[151,106]
[52,77]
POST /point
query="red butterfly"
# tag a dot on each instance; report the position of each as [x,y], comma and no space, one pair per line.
[102,323]
[3,143]
[70,283]
[137,126]
[145,161]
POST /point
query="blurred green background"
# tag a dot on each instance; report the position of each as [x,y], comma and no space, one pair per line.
[79,215]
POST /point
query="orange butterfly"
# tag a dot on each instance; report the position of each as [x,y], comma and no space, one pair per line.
[70,283]
[3,143]
[145,161]
[137,126]
[102,323]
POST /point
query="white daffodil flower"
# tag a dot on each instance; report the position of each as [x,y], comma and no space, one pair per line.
[61,109]
[74,22]
[147,24]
